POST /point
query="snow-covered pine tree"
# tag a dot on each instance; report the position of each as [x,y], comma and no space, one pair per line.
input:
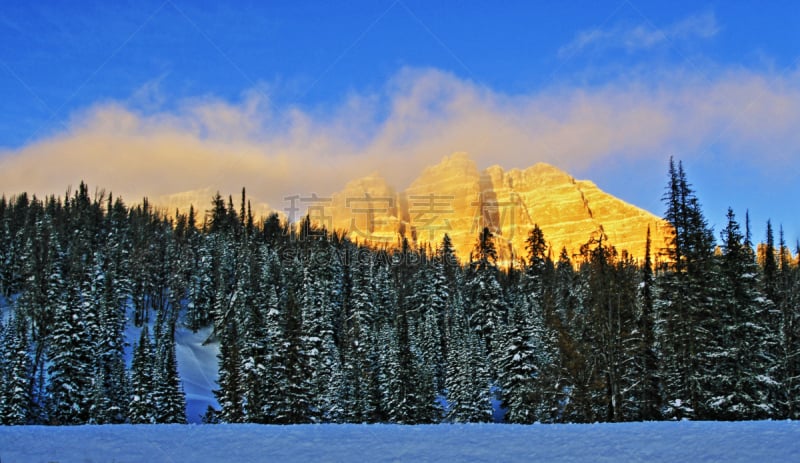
[431,305]
[789,360]
[201,293]
[604,336]
[254,339]
[520,366]
[33,304]
[487,306]
[646,367]
[295,404]
[110,394]
[170,399]
[5,248]
[318,299]
[686,301]
[71,356]
[467,381]
[740,386]
[784,326]
[528,369]
[142,407]
[230,392]
[411,390]
[273,381]
[4,356]
[359,374]
[15,385]
[570,322]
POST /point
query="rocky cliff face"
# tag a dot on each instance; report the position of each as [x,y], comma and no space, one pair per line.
[454,197]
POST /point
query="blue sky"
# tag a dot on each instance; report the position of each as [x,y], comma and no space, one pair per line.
[159,97]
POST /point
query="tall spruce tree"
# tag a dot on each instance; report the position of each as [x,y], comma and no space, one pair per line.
[647,362]
[686,302]
[742,387]
[16,371]
[170,399]
[319,294]
[467,381]
[142,407]
[527,375]
[488,308]
[71,356]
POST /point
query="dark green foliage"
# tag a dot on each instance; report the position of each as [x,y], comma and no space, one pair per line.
[742,345]
[487,304]
[170,400]
[71,370]
[142,407]
[646,367]
[467,380]
[687,303]
[15,375]
[314,328]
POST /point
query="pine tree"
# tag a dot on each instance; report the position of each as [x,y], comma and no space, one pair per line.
[648,390]
[527,374]
[520,367]
[411,394]
[610,337]
[230,392]
[110,393]
[570,322]
[202,295]
[468,399]
[741,386]
[359,374]
[254,341]
[70,372]
[318,298]
[487,301]
[429,341]
[274,380]
[770,266]
[686,301]
[296,407]
[168,392]
[15,385]
[789,358]
[431,305]
[142,407]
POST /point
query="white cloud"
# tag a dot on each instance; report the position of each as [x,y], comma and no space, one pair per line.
[209,143]
[642,36]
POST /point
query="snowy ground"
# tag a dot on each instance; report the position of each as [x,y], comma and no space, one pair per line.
[198,366]
[765,441]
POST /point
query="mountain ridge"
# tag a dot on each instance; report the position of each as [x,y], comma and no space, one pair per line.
[457,198]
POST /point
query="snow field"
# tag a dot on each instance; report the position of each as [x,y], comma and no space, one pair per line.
[764,441]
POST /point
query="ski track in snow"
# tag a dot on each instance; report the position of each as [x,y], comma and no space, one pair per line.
[763,441]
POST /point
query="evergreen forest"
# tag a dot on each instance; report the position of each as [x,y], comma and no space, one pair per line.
[313,327]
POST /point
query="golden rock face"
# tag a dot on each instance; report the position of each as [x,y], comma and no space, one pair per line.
[454,197]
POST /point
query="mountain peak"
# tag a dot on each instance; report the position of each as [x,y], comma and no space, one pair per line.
[456,198]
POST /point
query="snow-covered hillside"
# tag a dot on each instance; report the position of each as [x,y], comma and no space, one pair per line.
[198,366]
[765,441]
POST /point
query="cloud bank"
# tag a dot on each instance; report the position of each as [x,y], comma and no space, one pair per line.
[419,116]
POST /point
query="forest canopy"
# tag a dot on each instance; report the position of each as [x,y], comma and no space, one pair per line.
[313,327]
